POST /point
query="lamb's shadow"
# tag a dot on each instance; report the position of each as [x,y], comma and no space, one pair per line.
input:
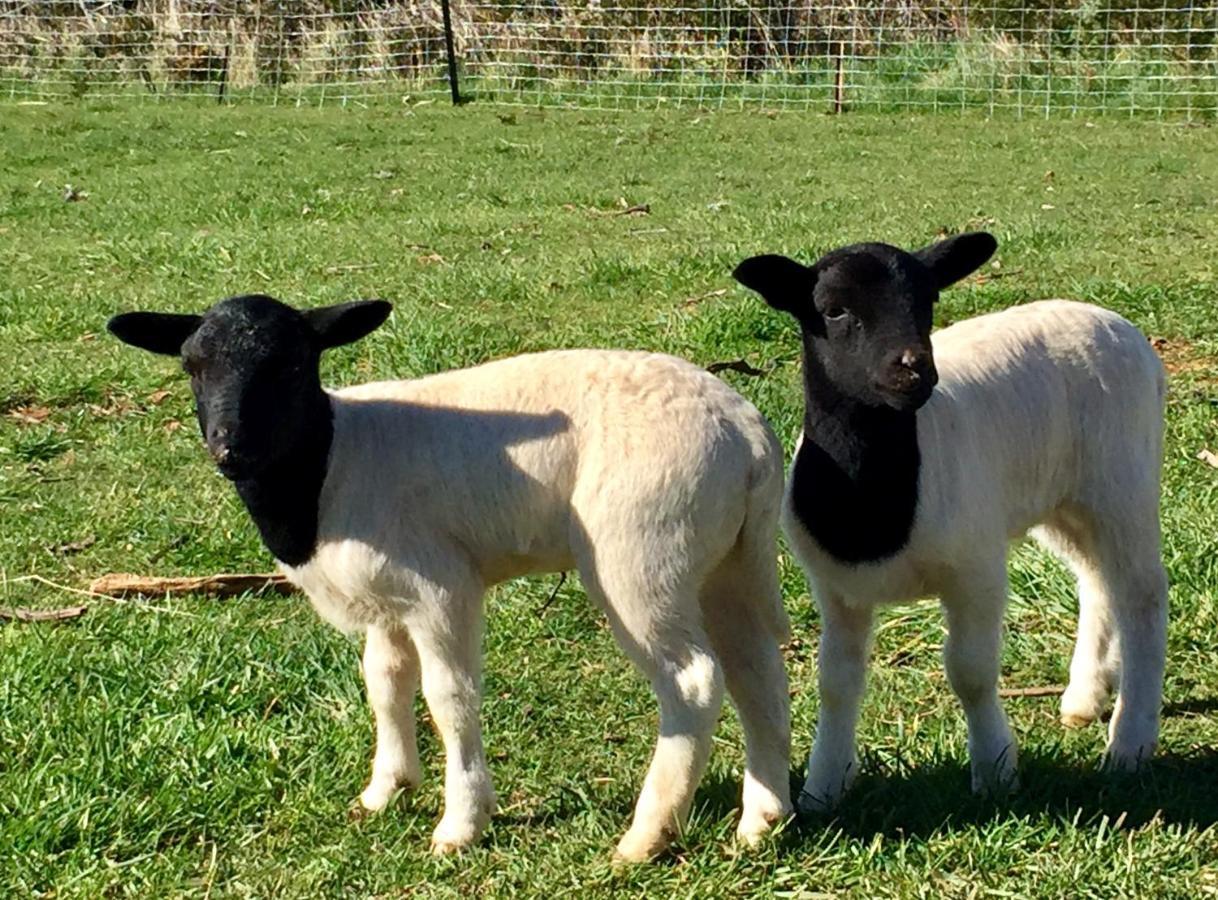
[1194,706]
[455,454]
[1177,789]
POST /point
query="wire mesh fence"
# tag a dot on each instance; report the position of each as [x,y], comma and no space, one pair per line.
[1155,57]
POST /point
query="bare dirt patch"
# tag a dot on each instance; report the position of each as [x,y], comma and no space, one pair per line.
[1183,358]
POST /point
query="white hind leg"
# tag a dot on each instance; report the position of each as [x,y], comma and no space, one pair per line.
[1138,591]
[740,602]
[1096,663]
[659,626]
[1122,633]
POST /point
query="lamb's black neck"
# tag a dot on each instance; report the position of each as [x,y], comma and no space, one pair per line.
[855,478]
[283,498]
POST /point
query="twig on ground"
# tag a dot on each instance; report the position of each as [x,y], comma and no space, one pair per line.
[80,592]
[123,584]
[1044,690]
[20,614]
[698,298]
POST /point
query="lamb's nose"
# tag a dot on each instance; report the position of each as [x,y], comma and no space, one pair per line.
[217,445]
[915,367]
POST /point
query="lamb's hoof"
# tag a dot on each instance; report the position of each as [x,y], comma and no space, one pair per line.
[997,781]
[825,786]
[453,837]
[1074,720]
[446,848]
[638,846]
[1128,762]
[381,792]
[817,801]
[378,795]
[821,797]
[1080,709]
[756,827]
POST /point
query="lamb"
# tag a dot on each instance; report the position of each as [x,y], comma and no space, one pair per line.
[921,459]
[394,505]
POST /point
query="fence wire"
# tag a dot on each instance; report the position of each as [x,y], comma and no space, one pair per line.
[1027,56]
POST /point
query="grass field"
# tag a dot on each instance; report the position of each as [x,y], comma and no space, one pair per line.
[208,747]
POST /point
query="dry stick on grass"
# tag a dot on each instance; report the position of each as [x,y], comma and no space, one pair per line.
[1046,690]
[122,584]
[698,298]
[20,614]
[80,592]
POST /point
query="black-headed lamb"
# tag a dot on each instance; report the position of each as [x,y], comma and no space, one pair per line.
[394,505]
[921,458]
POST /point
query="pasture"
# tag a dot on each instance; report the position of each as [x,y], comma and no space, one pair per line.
[201,747]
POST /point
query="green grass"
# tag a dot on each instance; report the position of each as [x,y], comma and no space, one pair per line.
[206,747]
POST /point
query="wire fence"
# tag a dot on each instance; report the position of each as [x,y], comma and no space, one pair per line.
[1157,57]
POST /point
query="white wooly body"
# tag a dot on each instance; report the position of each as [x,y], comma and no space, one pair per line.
[649,476]
[1047,418]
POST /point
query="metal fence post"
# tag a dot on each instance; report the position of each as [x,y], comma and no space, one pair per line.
[452,55]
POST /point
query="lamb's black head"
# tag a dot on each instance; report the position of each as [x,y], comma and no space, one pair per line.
[866,311]
[253,366]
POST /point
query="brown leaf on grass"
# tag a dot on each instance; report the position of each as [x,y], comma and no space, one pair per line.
[432,258]
[29,414]
[156,398]
[171,426]
[1208,457]
[20,614]
[735,365]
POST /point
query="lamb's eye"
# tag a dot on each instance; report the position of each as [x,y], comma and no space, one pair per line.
[835,313]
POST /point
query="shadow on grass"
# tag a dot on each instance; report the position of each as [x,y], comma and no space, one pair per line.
[1195,706]
[920,801]
[1176,789]
[1180,789]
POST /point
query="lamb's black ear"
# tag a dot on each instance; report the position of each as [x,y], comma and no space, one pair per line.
[157,332]
[783,283]
[952,259]
[347,322]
